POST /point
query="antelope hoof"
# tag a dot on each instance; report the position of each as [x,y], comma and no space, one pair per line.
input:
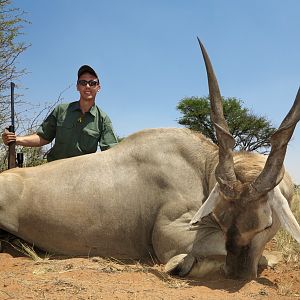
[180,265]
[270,259]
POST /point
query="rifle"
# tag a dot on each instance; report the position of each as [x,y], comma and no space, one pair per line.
[11,128]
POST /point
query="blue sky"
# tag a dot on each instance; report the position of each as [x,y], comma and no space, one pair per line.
[148,58]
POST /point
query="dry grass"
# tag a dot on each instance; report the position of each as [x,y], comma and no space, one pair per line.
[284,241]
[25,249]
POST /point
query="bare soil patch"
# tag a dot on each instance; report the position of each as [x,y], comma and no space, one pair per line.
[98,278]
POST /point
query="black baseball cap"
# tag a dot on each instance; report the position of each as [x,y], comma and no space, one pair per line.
[87,69]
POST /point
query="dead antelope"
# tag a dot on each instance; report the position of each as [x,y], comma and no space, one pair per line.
[142,197]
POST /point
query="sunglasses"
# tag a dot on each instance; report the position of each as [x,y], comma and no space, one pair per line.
[85,82]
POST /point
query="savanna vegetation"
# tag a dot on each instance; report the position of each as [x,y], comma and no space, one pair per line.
[251,132]
[12,46]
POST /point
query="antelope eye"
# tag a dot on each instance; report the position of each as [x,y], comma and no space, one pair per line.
[268,226]
[270,223]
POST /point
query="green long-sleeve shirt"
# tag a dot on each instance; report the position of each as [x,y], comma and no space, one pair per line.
[76,134]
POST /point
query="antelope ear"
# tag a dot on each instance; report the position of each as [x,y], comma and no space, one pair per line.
[207,207]
[280,205]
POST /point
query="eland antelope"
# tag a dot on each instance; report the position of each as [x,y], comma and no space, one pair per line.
[169,193]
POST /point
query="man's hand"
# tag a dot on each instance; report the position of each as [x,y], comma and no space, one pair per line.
[8,137]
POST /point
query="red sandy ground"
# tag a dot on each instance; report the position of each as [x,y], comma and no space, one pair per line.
[97,278]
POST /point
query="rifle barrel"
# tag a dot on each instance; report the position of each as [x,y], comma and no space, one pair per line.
[12,105]
[12,145]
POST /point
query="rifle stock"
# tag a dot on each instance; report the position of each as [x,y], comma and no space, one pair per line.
[12,145]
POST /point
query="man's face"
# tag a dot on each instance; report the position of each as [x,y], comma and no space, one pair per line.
[88,86]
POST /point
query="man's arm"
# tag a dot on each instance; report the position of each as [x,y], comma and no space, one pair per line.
[32,140]
[44,134]
[108,137]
